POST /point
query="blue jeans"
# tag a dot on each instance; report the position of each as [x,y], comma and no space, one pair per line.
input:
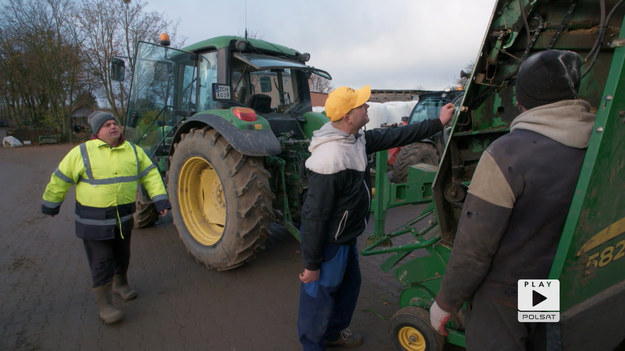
[326,306]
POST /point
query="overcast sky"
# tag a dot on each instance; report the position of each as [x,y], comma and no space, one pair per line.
[390,44]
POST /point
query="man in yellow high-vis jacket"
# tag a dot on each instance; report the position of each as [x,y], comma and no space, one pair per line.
[106,171]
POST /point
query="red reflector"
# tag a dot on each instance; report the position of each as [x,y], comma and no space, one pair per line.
[245,114]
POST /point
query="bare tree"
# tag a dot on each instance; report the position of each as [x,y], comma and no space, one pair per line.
[319,84]
[49,62]
[111,29]
[41,70]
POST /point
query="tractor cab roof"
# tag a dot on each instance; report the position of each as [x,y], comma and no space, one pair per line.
[256,44]
[259,54]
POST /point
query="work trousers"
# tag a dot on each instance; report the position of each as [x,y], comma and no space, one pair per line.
[108,257]
[326,306]
[493,326]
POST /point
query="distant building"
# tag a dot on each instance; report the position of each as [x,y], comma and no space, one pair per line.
[318,99]
[79,118]
[379,95]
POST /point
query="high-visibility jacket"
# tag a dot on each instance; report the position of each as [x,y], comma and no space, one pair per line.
[106,180]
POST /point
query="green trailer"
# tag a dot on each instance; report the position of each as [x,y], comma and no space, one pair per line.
[589,260]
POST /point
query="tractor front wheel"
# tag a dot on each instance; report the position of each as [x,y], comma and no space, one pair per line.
[221,199]
[411,331]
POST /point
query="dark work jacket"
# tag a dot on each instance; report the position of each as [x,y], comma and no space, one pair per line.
[337,205]
[517,205]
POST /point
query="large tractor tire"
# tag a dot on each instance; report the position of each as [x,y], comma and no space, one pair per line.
[410,155]
[221,199]
[411,331]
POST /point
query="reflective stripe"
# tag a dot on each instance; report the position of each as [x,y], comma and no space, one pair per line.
[51,204]
[115,180]
[85,160]
[160,197]
[63,177]
[146,171]
[342,225]
[369,201]
[101,222]
[134,148]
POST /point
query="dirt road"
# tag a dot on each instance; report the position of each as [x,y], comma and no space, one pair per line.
[46,301]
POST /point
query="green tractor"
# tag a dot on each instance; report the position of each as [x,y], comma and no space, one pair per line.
[228,122]
[589,261]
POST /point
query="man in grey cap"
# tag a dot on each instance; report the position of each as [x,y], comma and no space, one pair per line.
[516,207]
[106,171]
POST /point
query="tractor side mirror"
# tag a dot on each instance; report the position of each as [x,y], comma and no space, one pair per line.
[163,70]
[132,119]
[118,69]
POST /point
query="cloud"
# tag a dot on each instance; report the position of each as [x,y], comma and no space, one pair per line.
[390,44]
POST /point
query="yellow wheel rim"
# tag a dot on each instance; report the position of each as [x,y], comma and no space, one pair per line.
[411,339]
[201,200]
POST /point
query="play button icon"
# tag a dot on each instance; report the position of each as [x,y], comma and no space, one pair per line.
[537,298]
[538,295]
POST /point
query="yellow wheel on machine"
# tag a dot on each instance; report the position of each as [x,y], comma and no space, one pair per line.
[411,339]
[201,198]
[411,331]
[221,199]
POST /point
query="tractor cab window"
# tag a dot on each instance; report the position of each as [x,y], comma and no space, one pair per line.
[273,90]
[266,91]
[207,76]
[163,91]
[269,84]
[427,108]
[239,80]
[430,104]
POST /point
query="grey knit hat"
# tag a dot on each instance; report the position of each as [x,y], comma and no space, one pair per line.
[548,76]
[97,119]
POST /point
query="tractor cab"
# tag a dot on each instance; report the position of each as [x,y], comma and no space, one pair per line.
[170,85]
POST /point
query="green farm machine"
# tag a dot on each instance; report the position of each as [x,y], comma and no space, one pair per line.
[589,261]
[228,122]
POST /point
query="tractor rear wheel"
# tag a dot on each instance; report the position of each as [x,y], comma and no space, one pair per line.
[221,199]
[411,331]
[412,154]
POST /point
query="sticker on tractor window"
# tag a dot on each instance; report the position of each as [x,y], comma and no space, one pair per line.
[538,300]
[221,91]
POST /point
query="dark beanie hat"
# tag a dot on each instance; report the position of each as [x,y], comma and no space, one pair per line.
[97,119]
[547,77]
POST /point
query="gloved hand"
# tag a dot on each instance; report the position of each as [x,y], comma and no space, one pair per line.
[49,211]
[438,318]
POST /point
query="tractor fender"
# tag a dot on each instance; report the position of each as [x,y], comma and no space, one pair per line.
[427,141]
[250,142]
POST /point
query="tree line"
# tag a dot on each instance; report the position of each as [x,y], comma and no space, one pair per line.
[55,56]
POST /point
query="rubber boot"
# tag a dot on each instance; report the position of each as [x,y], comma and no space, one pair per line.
[121,288]
[104,297]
